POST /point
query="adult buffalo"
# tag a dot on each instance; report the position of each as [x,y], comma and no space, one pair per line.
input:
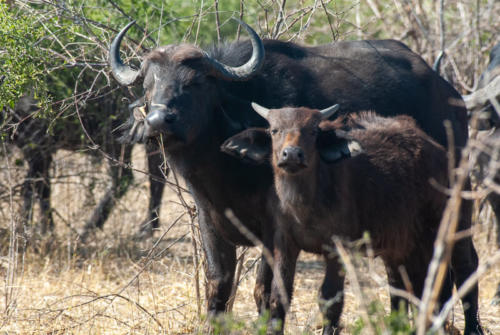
[196,99]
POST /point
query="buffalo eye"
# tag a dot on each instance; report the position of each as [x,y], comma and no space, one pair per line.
[274,131]
[172,102]
[191,85]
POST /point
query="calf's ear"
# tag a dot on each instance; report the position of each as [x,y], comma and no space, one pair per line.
[252,145]
[336,145]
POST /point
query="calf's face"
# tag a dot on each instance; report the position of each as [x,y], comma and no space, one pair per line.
[294,140]
[293,133]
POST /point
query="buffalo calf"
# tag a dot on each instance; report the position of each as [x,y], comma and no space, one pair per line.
[361,172]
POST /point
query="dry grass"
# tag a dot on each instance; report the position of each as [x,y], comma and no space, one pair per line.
[111,286]
[115,285]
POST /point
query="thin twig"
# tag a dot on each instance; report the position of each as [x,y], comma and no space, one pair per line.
[239,268]
[334,35]
[217,20]
[280,19]
[353,280]
[242,9]
[132,19]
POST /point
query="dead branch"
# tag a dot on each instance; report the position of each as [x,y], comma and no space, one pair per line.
[483,95]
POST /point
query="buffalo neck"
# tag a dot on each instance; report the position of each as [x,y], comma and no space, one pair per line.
[205,168]
[303,193]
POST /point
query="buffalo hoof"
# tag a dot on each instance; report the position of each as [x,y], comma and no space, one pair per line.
[449,329]
[275,327]
[331,330]
[476,330]
[85,233]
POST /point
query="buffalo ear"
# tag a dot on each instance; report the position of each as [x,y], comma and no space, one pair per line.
[252,145]
[337,145]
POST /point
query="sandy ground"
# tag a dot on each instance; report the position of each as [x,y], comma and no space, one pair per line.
[117,285]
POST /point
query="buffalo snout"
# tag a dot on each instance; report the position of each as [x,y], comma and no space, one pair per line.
[158,119]
[292,159]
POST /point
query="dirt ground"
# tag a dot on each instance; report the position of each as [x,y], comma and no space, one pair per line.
[114,284]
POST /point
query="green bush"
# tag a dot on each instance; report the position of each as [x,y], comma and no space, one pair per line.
[396,323]
[22,60]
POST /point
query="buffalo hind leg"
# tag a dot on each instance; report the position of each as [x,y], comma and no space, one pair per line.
[494,200]
[464,262]
[37,185]
[263,282]
[415,266]
[121,179]
[331,295]
[395,280]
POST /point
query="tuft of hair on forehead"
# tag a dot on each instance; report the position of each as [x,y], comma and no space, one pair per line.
[294,115]
[185,52]
[175,53]
[290,110]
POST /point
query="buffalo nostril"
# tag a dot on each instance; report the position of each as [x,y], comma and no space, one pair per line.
[285,154]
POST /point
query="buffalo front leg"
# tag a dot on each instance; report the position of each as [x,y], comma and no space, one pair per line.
[331,295]
[220,264]
[285,259]
[157,175]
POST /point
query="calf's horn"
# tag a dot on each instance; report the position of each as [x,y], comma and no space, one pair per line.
[263,111]
[327,112]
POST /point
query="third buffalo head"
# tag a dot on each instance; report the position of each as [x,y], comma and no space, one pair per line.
[180,85]
[297,138]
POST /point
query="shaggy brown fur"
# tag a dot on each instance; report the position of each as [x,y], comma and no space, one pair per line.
[359,173]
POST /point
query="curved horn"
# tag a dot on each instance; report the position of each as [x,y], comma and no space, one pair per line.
[327,112]
[124,74]
[263,111]
[246,70]
[437,62]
